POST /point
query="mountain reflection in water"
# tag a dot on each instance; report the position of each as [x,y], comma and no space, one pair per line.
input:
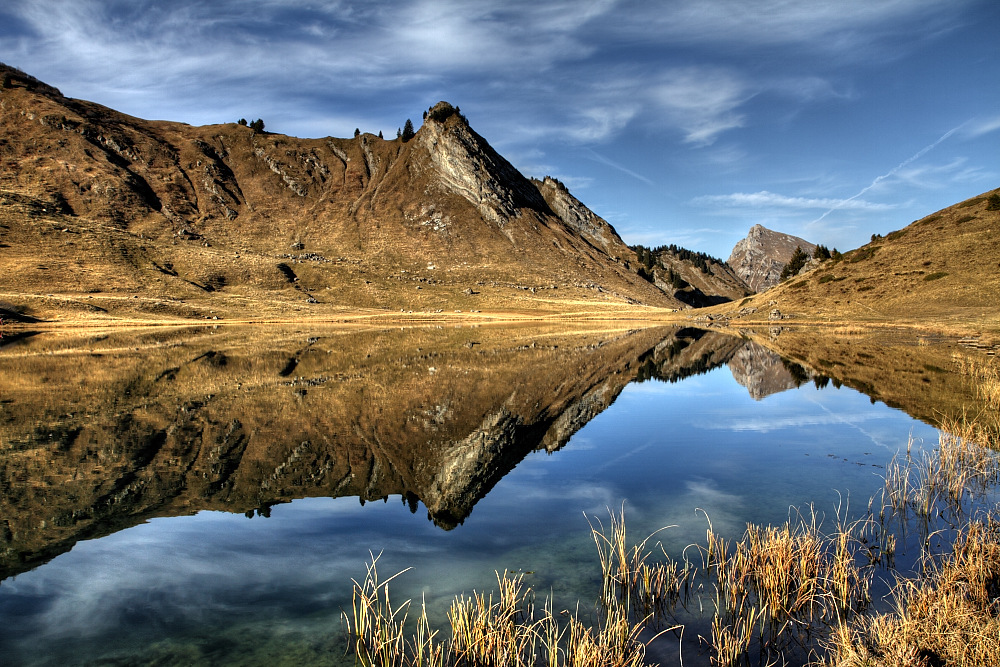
[101,433]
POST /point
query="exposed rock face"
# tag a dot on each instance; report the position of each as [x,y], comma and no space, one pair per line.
[759,258]
[572,212]
[468,166]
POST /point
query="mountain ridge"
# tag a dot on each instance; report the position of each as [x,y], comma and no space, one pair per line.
[941,272]
[223,216]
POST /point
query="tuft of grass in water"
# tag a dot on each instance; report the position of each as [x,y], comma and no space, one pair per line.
[631,579]
[949,616]
[777,586]
[505,630]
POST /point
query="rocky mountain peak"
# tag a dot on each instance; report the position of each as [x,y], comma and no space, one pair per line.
[759,258]
[469,167]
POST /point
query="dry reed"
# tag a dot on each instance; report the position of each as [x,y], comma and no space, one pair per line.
[506,630]
[777,586]
[950,616]
[950,613]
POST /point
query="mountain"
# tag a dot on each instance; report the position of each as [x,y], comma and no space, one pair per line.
[759,258]
[107,215]
[693,278]
[942,270]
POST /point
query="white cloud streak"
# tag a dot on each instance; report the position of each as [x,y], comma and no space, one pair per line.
[597,157]
[913,158]
[765,199]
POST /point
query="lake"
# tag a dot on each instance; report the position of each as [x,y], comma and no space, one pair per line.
[206,495]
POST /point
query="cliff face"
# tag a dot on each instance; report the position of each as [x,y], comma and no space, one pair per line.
[759,258]
[120,203]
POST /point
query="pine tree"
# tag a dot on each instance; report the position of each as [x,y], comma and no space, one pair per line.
[795,264]
[408,132]
[821,252]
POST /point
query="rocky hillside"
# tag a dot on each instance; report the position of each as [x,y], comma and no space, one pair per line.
[942,270]
[98,208]
[693,278]
[759,258]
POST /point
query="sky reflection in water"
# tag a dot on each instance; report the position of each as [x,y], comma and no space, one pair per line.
[218,587]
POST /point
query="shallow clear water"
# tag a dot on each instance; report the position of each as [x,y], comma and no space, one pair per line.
[221,588]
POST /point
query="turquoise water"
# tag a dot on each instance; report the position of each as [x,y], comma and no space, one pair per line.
[221,588]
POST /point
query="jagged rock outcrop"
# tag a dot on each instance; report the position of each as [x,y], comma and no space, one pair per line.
[573,212]
[759,258]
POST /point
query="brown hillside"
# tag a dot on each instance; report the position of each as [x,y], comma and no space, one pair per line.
[103,214]
[942,270]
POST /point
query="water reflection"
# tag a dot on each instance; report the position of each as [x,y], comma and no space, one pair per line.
[103,432]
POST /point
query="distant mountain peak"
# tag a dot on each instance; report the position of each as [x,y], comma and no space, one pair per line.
[759,258]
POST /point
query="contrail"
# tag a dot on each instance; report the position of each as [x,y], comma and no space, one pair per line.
[919,154]
[614,165]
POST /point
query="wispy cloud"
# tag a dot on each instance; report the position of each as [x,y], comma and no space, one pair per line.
[702,102]
[980,126]
[843,27]
[765,199]
[938,176]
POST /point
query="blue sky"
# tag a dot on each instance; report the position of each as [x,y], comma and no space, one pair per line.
[679,121]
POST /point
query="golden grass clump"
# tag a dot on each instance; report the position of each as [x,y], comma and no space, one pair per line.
[950,616]
[631,579]
[486,631]
[777,586]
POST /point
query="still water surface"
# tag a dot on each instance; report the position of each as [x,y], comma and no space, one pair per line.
[574,424]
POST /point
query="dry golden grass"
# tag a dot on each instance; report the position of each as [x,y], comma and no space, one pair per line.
[507,630]
[948,615]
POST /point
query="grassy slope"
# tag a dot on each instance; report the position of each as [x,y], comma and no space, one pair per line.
[942,271]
